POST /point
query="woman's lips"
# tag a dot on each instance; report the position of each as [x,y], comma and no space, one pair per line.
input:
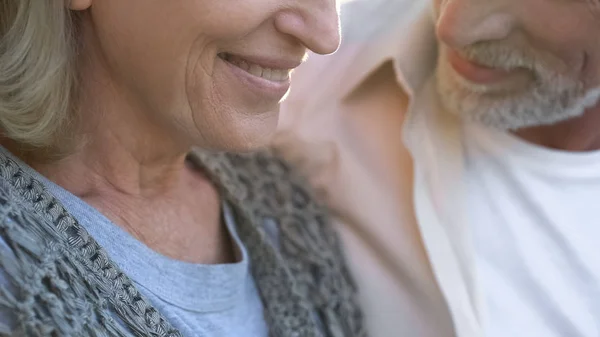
[258,70]
[474,72]
[269,78]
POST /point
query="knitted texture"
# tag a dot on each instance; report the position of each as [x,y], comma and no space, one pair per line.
[62,283]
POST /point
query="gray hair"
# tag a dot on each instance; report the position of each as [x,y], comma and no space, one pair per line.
[37,71]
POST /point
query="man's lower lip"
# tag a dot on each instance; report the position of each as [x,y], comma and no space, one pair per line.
[269,89]
[474,72]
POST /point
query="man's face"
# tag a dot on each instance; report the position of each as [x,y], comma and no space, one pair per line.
[517,63]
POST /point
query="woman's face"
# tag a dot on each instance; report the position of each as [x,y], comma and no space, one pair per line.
[212,71]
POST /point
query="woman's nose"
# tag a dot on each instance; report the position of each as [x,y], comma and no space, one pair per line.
[465,22]
[315,23]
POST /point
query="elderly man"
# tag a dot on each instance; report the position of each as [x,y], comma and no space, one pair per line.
[458,144]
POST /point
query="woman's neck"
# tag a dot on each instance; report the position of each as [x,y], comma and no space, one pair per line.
[134,173]
[163,201]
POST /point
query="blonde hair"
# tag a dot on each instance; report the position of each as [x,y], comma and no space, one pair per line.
[37,72]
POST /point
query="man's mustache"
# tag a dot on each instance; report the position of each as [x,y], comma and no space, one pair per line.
[503,57]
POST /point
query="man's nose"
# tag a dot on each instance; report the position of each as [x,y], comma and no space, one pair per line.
[465,22]
[314,22]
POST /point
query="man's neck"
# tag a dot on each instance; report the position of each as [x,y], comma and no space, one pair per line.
[575,135]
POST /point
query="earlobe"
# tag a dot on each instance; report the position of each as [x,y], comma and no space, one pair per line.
[79,5]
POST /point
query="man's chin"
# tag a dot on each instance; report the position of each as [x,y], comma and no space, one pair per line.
[528,109]
[512,117]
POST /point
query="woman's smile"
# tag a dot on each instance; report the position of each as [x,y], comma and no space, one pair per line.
[268,78]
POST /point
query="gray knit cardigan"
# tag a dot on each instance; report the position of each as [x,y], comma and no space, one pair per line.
[62,283]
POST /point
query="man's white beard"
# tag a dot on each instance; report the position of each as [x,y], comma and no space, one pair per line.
[551,99]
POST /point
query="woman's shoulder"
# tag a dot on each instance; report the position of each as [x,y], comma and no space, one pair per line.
[284,210]
[54,278]
[267,187]
[264,182]
[36,277]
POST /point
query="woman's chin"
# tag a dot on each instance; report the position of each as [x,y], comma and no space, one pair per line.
[246,135]
[250,143]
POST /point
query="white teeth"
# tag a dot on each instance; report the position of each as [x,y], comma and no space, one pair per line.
[280,75]
[255,70]
[266,73]
[244,65]
[276,75]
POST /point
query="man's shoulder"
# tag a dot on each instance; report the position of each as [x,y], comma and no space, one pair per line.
[363,20]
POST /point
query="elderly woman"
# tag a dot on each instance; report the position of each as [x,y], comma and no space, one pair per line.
[110,225]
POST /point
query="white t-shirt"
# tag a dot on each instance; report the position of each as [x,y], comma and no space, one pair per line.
[535,219]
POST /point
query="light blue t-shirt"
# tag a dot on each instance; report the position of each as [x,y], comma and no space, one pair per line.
[198,300]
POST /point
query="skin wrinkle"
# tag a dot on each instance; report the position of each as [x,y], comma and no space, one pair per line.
[584,64]
[188,80]
[594,6]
